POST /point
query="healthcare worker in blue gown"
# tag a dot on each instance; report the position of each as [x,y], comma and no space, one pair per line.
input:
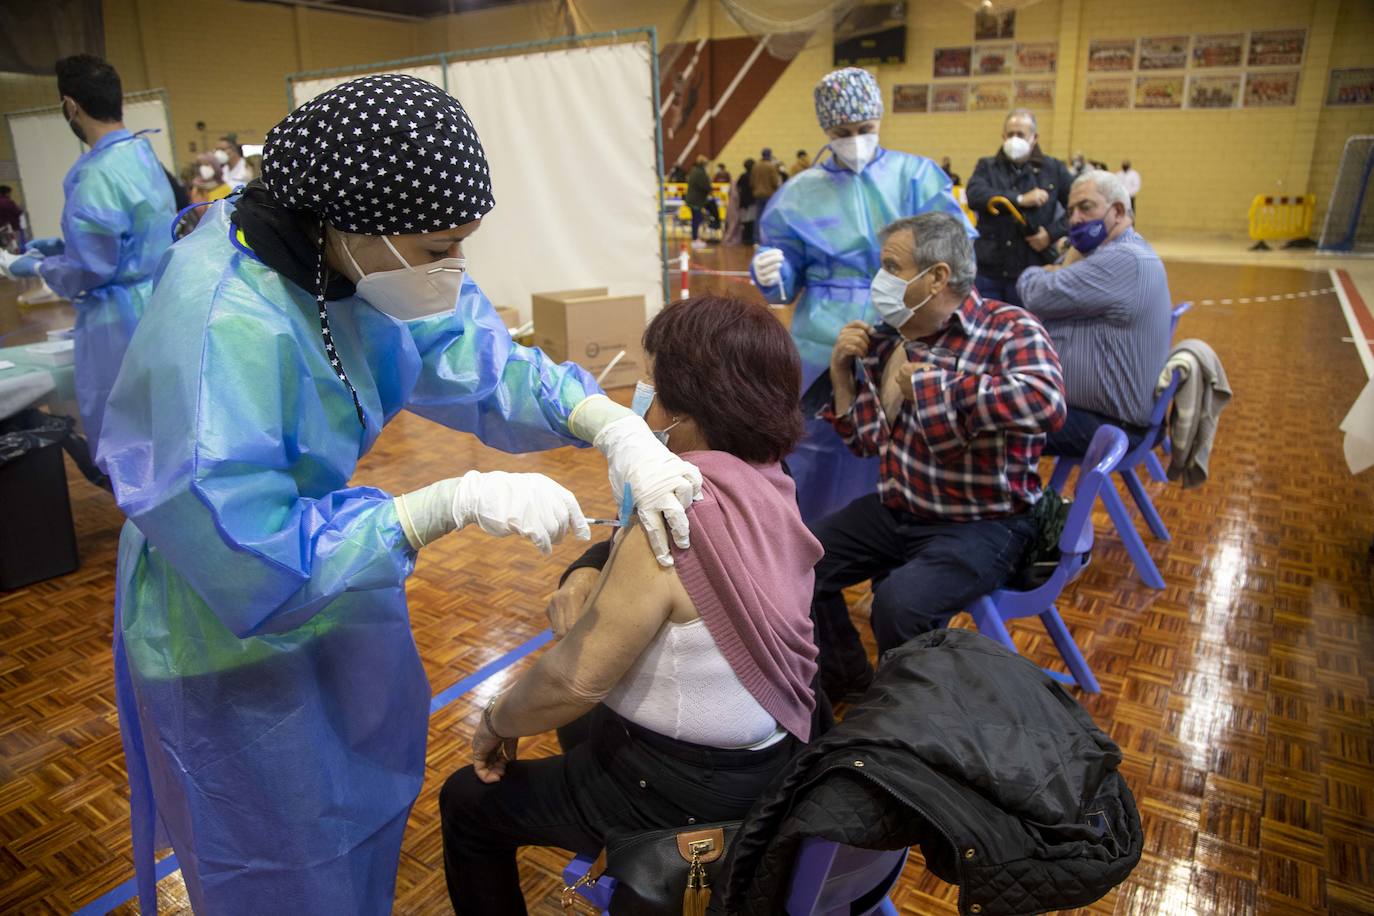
[272,703]
[818,236]
[114,230]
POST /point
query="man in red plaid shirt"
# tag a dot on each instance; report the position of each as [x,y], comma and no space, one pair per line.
[955,394]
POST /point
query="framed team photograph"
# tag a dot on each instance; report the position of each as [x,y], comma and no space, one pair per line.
[1214,91]
[1159,92]
[953,62]
[1037,57]
[1111,54]
[908,98]
[992,60]
[1219,50]
[948,97]
[1166,53]
[1277,48]
[1108,93]
[1271,90]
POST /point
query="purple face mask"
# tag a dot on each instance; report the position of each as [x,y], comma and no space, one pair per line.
[1088,235]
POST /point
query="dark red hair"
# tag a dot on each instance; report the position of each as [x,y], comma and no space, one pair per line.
[732,367]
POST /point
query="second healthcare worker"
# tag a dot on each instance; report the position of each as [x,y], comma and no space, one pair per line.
[271,699]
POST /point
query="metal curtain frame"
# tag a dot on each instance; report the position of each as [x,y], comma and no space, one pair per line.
[139,96]
[443,59]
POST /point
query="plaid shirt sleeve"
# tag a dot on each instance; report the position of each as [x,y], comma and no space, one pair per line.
[1023,392]
[861,427]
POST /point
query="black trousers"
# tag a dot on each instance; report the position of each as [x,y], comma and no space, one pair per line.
[620,778]
[929,572]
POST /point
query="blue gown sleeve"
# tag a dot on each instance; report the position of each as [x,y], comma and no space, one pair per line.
[475,378]
[222,452]
[777,231]
[94,223]
[932,190]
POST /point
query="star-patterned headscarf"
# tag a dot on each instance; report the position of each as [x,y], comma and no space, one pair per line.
[387,154]
[380,155]
[846,96]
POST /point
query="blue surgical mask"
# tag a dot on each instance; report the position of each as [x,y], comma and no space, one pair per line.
[889,297]
[643,399]
[1086,236]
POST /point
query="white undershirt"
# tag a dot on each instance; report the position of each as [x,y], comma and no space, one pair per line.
[682,687]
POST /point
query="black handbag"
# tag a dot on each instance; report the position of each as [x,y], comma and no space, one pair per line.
[659,872]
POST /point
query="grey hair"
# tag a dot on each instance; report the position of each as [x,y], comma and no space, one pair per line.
[939,238]
[1022,112]
[1109,185]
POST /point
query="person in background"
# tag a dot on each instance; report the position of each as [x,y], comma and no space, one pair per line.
[116,223]
[765,178]
[271,701]
[1079,164]
[949,171]
[722,175]
[801,163]
[819,236]
[1130,179]
[235,169]
[748,206]
[697,198]
[956,396]
[207,182]
[1107,308]
[677,174]
[692,685]
[1038,184]
[10,211]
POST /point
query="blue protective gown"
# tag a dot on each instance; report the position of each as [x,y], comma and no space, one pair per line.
[115,225]
[271,699]
[826,220]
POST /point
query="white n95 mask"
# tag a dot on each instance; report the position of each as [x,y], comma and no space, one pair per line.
[1016,148]
[855,152]
[889,294]
[206,172]
[222,156]
[410,293]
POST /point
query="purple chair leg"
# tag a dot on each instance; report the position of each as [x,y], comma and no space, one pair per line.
[1125,529]
[1154,467]
[887,908]
[1062,468]
[989,621]
[1142,501]
[1068,650]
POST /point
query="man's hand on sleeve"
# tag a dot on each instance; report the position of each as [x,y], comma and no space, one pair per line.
[1032,198]
[1039,241]
[851,344]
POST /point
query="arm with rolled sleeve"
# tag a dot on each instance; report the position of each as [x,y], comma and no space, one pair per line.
[1095,287]
[861,427]
[1024,392]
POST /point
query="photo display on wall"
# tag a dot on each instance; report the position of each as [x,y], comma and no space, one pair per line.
[1167,53]
[990,96]
[910,97]
[1220,91]
[953,62]
[1108,93]
[992,60]
[1163,91]
[1277,48]
[949,97]
[1351,87]
[990,26]
[1037,57]
[1219,50]
[1111,54]
[1270,89]
[1034,94]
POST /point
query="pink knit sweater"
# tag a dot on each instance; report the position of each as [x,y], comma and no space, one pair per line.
[749,573]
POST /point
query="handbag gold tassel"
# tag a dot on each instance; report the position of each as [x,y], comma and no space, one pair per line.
[698,892]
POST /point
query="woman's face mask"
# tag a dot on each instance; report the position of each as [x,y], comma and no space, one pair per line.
[410,293]
[640,404]
[855,152]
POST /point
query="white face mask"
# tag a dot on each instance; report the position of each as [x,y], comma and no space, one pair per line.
[1016,148]
[410,293]
[222,156]
[855,152]
[207,172]
[889,297]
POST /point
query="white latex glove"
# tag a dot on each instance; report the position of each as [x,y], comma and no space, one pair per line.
[6,259]
[767,267]
[530,505]
[661,484]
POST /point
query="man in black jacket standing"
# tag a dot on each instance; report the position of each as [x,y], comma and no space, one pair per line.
[1038,184]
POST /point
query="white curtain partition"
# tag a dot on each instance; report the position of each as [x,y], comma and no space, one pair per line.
[303,91]
[569,136]
[45,148]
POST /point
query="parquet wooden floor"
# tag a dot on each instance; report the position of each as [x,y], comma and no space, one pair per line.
[1240,694]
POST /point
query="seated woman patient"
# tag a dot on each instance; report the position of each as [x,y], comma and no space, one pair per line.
[697,677]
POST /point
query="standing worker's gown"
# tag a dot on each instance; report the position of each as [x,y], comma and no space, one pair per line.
[826,220]
[115,227]
[271,698]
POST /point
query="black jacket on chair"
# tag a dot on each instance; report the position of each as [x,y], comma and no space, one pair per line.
[974,754]
[1001,244]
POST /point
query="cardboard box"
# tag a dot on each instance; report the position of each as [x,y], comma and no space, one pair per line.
[509,315]
[590,327]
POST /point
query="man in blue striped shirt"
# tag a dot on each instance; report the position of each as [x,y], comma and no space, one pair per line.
[1107,309]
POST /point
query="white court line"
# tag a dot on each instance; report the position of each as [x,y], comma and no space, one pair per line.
[1366,356]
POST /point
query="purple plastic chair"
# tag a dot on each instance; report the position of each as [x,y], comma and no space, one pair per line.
[991,612]
[830,879]
[1121,516]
